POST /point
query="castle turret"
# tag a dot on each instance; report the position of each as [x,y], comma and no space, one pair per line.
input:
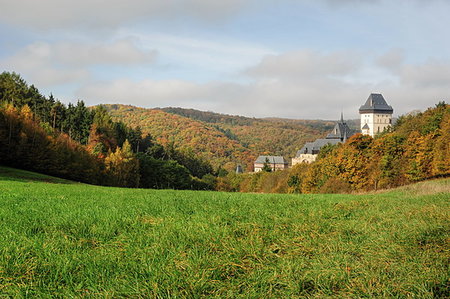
[376,115]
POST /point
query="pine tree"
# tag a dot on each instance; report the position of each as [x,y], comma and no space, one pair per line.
[266,166]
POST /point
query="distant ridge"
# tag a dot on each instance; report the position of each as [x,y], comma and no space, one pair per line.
[225,140]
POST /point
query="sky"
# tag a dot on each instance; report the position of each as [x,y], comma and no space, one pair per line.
[302,59]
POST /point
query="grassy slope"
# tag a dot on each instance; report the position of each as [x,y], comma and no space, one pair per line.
[75,239]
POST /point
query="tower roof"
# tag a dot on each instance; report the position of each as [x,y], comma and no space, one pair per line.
[340,131]
[376,104]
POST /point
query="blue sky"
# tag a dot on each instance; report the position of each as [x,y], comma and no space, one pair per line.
[286,58]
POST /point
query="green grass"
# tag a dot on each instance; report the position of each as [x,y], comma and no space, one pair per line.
[61,239]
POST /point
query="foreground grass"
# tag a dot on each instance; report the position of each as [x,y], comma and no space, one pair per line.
[64,239]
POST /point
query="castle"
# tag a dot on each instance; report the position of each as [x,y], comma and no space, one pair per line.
[376,116]
[308,153]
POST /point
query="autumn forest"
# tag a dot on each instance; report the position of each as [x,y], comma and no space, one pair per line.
[119,145]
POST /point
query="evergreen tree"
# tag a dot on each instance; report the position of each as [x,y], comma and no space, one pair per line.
[266,166]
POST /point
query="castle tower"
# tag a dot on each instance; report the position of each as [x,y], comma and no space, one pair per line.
[376,115]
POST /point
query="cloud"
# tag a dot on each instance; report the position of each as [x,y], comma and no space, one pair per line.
[217,55]
[432,74]
[35,63]
[148,93]
[260,98]
[56,14]
[312,87]
[121,52]
[391,60]
[64,62]
[306,64]
[429,74]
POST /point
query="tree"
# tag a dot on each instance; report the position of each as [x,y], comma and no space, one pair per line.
[124,166]
[162,174]
[266,166]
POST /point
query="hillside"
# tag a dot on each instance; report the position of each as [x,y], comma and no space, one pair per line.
[416,148]
[76,240]
[275,136]
[222,139]
[74,142]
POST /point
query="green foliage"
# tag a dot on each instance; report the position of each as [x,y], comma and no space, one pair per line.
[326,150]
[222,172]
[196,165]
[78,122]
[266,166]
[76,240]
[161,174]
[33,136]
[14,90]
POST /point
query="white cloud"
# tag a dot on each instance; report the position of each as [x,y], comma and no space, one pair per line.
[432,74]
[64,62]
[216,55]
[306,64]
[280,89]
[35,63]
[55,14]
[148,93]
[121,52]
[392,60]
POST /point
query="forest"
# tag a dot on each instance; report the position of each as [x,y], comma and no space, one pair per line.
[224,140]
[84,144]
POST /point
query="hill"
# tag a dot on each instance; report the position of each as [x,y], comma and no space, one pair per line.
[42,134]
[416,148]
[77,240]
[222,139]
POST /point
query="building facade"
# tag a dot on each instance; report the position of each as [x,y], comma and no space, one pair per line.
[376,115]
[275,162]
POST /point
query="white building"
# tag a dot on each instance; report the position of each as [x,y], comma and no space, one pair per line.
[376,115]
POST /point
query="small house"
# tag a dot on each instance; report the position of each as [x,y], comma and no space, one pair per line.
[275,162]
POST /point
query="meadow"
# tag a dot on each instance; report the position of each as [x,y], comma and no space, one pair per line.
[60,238]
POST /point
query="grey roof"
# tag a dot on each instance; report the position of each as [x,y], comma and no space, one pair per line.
[339,134]
[314,147]
[365,127]
[340,131]
[272,160]
[376,104]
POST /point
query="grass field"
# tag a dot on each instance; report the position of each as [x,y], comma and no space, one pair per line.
[66,239]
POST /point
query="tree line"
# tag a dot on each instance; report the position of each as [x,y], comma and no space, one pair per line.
[73,141]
